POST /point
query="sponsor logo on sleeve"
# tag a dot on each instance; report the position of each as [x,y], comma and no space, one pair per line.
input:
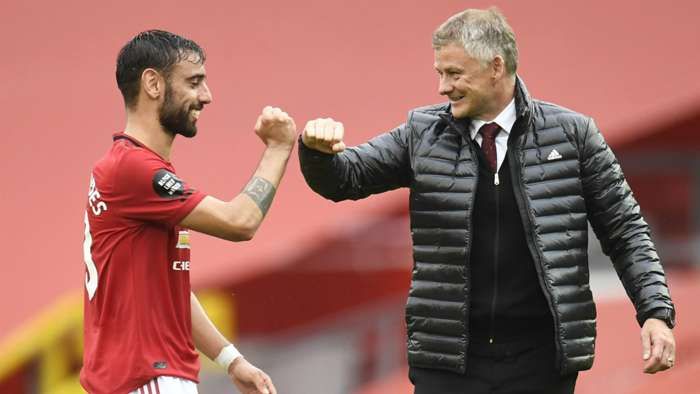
[168,185]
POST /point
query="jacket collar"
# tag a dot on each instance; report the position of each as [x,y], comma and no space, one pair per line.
[523,101]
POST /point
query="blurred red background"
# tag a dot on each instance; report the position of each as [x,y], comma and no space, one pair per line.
[631,65]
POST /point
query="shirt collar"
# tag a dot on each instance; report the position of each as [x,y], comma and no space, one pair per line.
[504,120]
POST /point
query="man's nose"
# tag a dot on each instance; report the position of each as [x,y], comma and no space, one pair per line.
[205,94]
[445,87]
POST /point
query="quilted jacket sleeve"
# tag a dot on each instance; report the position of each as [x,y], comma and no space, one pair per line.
[617,222]
[376,166]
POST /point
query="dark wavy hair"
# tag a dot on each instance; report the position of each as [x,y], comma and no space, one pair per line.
[156,49]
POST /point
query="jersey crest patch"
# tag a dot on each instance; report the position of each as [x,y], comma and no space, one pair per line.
[168,185]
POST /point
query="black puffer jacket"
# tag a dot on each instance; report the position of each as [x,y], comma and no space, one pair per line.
[557,193]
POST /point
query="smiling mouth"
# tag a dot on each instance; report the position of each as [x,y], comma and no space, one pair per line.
[196,113]
[456,99]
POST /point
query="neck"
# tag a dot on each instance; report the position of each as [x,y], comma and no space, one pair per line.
[149,131]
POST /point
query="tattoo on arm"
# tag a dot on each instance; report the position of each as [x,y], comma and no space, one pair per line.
[261,191]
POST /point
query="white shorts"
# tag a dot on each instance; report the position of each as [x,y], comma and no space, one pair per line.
[167,385]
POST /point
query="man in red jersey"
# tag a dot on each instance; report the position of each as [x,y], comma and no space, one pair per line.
[142,322]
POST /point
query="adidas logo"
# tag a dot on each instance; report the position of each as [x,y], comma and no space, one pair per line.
[553,155]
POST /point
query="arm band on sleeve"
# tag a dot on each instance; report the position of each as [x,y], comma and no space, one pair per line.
[226,356]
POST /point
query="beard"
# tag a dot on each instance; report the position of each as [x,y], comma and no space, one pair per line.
[176,120]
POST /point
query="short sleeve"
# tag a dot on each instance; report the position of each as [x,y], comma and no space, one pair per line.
[149,190]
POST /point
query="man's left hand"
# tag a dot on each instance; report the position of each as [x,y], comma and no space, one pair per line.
[658,346]
[249,379]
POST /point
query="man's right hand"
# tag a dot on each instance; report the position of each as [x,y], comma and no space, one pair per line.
[276,128]
[249,379]
[324,135]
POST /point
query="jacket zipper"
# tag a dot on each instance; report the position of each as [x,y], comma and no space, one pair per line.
[524,207]
[470,236]
[470,226]
[496,248]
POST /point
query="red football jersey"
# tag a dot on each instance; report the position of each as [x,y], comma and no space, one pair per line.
[137,285]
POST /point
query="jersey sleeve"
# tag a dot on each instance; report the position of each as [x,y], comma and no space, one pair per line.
[150,190]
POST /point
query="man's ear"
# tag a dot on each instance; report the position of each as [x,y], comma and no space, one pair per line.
[152,83]
[498,68]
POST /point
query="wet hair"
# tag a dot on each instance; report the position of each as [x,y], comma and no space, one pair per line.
[156,49]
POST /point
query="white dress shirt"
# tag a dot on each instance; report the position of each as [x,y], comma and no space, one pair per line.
[505,121]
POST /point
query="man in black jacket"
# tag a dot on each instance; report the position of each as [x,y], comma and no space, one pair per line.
[502,188]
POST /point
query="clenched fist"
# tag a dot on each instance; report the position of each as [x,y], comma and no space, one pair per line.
[276,128]
[324,135]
